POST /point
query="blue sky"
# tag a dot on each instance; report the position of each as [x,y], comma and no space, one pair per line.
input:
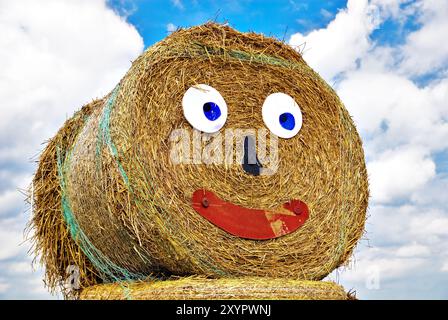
[277,18]
[387,59]
[280,19]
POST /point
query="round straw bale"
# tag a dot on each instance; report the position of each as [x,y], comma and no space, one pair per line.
[51,237]
[128,206]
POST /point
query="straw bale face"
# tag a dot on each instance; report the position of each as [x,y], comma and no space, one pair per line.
[138,207]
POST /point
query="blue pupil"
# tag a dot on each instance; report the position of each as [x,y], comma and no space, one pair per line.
[287,121]
[211,111]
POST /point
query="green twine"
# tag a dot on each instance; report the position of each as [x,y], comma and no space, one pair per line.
[204,50]
[66,209]
[109,271]
[104,138]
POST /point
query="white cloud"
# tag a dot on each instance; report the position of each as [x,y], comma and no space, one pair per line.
[430,226]
[383,263]
[10,238]
[413,250]
[433,194]
[396,111]
[396,173]
[337,47]
[387,272]
[408,224]
[55,56]
[178,4]
[4,286]
[22,281]
[10,200]
[326,14]
[20,267]
[426,50]
[444,267]
[171,27]
[403,125]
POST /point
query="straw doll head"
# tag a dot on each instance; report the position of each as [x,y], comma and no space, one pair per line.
[220,154]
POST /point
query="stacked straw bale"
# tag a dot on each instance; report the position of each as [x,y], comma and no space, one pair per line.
[197,288]
[108,199]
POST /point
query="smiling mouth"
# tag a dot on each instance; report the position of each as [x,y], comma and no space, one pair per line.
[256,224]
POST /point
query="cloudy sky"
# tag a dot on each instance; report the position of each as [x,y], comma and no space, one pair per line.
[387,59]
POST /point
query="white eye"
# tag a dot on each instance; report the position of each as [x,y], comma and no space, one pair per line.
[282,115]
[204,108]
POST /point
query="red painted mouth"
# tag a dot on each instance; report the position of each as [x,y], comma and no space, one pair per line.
[248,223]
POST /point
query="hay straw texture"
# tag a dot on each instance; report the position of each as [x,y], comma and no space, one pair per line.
[108,199]
[196,288]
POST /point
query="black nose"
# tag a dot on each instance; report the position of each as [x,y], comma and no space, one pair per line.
[251,164]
